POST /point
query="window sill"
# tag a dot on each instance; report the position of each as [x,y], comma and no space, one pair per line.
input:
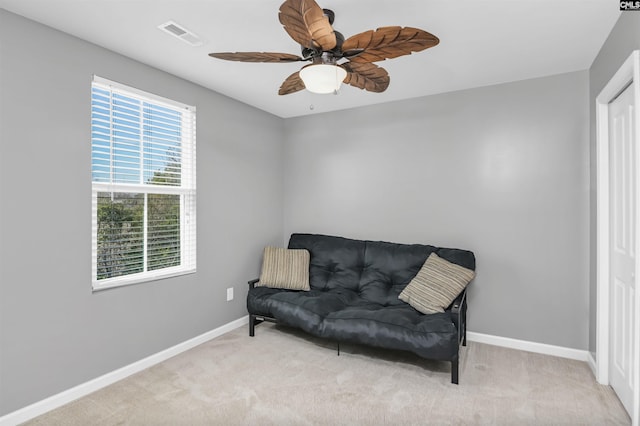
[124,281]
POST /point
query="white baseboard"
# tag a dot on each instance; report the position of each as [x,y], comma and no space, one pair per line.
[31,411]
[523,345]
[592,364]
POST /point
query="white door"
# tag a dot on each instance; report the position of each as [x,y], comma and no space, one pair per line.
[623,251]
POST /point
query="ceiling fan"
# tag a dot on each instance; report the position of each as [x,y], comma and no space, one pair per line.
[310,26]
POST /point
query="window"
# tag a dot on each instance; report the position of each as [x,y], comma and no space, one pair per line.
[143,186]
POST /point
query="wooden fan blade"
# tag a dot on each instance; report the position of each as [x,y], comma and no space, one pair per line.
[367,76]
[388,42]
[256,56]
[292,84]
[306,23]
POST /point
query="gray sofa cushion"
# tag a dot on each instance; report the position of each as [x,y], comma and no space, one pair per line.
[394,327]
[335,263]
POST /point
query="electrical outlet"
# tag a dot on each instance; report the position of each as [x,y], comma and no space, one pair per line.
[229,294]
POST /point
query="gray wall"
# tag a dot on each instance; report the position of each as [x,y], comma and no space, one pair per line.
[624,39]
[500,170]
[54,332]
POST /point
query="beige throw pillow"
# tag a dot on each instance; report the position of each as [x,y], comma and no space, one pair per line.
[436,285]
[285,268]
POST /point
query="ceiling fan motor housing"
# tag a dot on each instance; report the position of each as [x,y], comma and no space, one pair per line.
[314,52]
[326,58]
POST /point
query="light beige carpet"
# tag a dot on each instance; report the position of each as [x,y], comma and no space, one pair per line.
[284,377]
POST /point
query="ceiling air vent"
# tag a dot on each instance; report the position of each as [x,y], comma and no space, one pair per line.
[181,32]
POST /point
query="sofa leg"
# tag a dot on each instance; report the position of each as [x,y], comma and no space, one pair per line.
[464,335]
[252,325]
[338,348]
[454,371]
[464,324]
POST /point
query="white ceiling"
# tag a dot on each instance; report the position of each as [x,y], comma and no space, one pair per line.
[482,42]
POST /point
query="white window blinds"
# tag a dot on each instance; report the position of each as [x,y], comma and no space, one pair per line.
[143,181]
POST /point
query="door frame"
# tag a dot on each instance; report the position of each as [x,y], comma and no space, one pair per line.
[627,75]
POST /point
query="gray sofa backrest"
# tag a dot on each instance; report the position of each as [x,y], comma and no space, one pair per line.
[376,270]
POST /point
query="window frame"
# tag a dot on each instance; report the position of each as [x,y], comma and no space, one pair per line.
[186,190]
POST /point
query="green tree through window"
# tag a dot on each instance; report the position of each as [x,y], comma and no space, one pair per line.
[120,234]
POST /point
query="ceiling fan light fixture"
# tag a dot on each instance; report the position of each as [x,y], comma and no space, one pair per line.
[322,78]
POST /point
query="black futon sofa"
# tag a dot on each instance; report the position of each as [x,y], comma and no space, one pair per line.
[354,298]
